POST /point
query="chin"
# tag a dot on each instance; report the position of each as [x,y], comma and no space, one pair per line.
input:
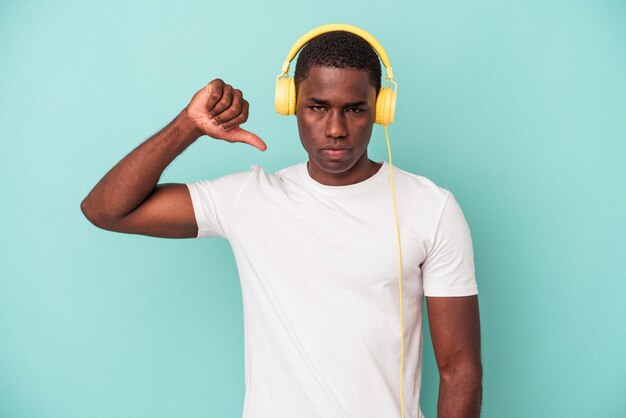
[335,167]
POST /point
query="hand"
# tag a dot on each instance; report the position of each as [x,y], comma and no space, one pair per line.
[218,109]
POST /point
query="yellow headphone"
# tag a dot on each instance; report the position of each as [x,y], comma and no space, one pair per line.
[285,100]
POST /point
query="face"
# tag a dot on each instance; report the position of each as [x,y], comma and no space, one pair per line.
[335,109]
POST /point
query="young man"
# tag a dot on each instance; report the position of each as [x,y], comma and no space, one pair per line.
[315,248]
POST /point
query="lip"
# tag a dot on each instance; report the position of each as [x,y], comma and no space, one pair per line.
[335,153]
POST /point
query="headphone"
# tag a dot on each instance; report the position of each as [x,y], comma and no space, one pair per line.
[285,99]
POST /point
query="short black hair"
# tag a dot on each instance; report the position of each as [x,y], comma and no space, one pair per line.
[338,49]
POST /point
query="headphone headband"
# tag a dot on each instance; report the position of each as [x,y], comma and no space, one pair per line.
[285,98]
[300,43]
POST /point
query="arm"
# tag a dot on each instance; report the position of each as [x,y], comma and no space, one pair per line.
[128,199]
[455,331]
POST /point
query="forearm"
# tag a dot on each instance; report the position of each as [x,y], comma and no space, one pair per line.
[460,392]
[131,180]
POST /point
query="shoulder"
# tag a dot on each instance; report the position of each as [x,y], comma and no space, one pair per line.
[293,172]
[255,176]
[428,203]
[239,178]
[420,186]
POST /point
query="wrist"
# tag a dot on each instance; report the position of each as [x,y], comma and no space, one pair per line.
[188,126]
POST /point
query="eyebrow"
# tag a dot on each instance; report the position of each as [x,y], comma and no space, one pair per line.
[324,102]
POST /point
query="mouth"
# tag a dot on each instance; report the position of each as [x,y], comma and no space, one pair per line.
[335,153]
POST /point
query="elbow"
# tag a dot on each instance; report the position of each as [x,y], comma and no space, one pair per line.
[468,372]
[91,213]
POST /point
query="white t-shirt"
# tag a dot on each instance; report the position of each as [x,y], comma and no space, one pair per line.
[319,275]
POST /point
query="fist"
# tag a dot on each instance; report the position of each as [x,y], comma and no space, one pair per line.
[218,110]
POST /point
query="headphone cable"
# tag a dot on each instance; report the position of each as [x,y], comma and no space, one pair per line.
[399,245]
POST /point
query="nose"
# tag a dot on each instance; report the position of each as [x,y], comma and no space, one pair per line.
[336,124]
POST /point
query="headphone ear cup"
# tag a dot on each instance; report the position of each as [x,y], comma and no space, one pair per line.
[385,106]
[285,98]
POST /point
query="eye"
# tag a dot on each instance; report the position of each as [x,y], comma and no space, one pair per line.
[318,108]
[354,109]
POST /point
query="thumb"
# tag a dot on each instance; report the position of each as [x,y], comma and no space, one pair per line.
[238,134]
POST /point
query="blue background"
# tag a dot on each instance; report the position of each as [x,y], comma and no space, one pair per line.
[516,107]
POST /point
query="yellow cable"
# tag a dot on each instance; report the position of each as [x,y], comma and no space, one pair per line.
[395,213]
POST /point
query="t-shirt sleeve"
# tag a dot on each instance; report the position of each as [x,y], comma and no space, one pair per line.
[448,269]
[214,200]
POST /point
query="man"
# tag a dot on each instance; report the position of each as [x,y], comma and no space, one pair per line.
[315,248]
